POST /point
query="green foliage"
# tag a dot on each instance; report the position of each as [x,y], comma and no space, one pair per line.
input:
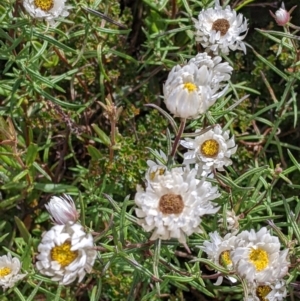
[73,120]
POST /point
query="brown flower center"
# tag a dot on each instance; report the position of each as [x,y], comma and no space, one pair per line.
[210,148]
[221,25]
[44,5]
[171,204]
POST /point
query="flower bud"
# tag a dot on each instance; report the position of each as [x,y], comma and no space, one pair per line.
[62,210]
[282,16]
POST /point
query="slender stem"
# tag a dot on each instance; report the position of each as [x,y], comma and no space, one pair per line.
[177,139]
[112,138]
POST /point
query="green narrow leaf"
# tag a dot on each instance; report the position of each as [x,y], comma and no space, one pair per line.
[157,247]
[33,293]
[291,218]
[58,292]
[293,159]
[269,64]
[3,237]
[93,295]
[41,170]
[19,294]
[94,153]
[53,41]
[21,175]
[56,188]
[23,230]
[31,154]
[26,256]
[82,210]
[102,136]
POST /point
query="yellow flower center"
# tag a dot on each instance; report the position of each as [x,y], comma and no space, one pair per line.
[224,259]
[4,272]
[262,291]
[259,258]
[171,204]
[210,148]
[190,87]
[63,255]
[221,25]
[44,5]
[159,171]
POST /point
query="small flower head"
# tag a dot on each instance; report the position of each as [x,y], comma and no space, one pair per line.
[231,220]
[62,210]
[275,291]
[9,271]
[48,10]
[221,30]
[65,253]
[190,90]
[173,203]
[218,250]
[157,167]
[282,16]
[257,257]
[211,150]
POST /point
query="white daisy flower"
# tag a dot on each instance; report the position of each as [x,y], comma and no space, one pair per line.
[221,30]
[275,291]
[211,150]
[190,90]
[218,251]
[65,253]
[173,204]
[62,210]
[48,10]
[9,271]
[257,256]
[232,221]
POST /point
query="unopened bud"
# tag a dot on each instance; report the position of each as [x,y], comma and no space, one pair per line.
[282,16]
[62,210]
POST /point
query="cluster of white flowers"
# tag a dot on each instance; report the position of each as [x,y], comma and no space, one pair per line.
[253,256]
[175,199]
